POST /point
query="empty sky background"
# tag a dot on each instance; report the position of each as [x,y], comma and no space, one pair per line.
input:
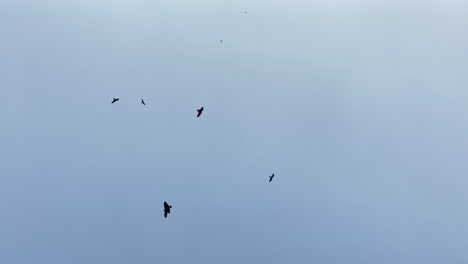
[358,107]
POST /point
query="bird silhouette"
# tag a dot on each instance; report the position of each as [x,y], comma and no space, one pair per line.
[167,209]
[245,12]
[271,177]
[142,102]
[115,100]
[221,40]
[199,111]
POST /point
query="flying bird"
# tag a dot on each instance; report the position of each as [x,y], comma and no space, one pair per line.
[271,177]
[221,40]
[199,111]
[115,100]
[167,209]
[245,12]
[142,102]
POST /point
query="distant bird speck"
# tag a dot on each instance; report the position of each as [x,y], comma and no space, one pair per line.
[221,40]
[245,12]
[115,100]
[200,111]
[167,209]
[142,102]
[271,177]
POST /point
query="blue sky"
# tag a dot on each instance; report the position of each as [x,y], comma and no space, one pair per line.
[358,107]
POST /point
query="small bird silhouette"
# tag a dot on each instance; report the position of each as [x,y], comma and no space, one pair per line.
[245,12]
[167,209]
[200,111]
[142,102]
[115,100]
[271,177]
[221,40]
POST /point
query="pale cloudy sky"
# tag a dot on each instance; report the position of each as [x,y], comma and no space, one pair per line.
[358,107]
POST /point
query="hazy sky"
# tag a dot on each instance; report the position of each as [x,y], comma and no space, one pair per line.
[358,107]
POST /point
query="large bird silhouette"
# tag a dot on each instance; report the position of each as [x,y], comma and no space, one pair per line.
[200,111]
[142,102]
[167,209]
[271,177]
[115,100]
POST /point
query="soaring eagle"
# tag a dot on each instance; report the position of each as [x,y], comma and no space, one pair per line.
[271,177]
[200,111]
[167,209]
